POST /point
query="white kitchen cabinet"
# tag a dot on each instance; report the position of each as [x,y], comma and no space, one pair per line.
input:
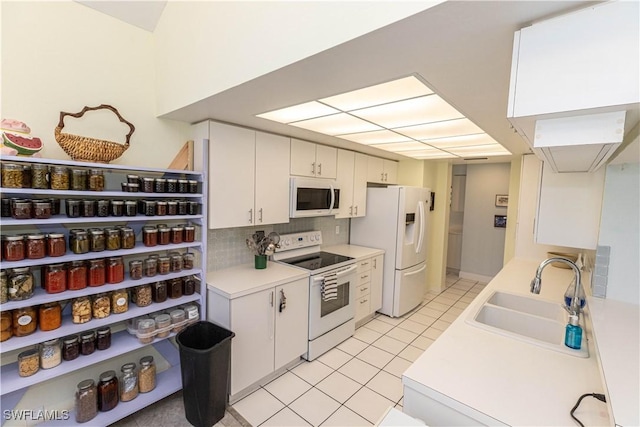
[377,264]
[313,160]
[382,171]
[247,183]
[368,297]
[352,179]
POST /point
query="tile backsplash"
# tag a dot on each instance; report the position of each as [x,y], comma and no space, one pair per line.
[227,247]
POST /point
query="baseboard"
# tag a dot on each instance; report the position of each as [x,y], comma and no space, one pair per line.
[477,277]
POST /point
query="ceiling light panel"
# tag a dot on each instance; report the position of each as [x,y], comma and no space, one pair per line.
[408,87]
[375,137]
[398,147]
[461,141]
[295,113]
[336,124]
[429,154]
[410,112]
[480,150]
[444,129]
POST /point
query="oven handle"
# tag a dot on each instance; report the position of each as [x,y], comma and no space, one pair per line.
[353,268]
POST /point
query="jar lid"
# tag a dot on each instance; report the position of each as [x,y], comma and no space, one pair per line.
[11,166]
[117,202]
[128,367]
[99,261]
[87,335]
[160,284]
[146,324]
[49,343]
[186,181]
[191,308]
[77,263]
[41,202]
[78,171]
[49,305]
[35,236]
[172,180]
[28,353]
[96,231]
[160,180]
[20,270]
[161,202]
[147,179]
[104,331]
[59,168]
[164,259]
[150,230]
[146,361]
[87,201]
[80,233]
[40,166]
[178,228]
[55,235]
[85,384]
[177,314]
[13,238]
[172,202]
[132,176]
[189,227]
[107,376]
[130,202]
[112,231]
[71,339]
[96,171]
[115,259]
[193,181]
[164,319]
[75,230]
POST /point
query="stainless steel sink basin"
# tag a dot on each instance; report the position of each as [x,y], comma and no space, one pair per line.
[532,320]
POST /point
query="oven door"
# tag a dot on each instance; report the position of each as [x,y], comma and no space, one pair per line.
[327,315]
[313,197]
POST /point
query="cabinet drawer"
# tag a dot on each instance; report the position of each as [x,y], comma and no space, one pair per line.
[363,289]
[364,277]
[362,307]
[364,265]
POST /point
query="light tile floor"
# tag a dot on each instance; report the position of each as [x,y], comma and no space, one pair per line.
[354,383]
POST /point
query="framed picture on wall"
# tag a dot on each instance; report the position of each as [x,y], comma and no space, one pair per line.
[502,200]
[500,221]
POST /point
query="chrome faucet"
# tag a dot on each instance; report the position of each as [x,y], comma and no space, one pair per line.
[536,283]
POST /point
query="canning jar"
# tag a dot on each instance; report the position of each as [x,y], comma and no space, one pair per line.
[41,209]
[96,180]
[183,186]
[81,310]
[70,347]
[78,179]
[113,239]
[159,185]
[107,391]
[102,209]
[192,313]
[163,325]
[101,306]
[178,318]
[21,284]
[88,208]
[193,208]
[21,209]
[172,185]
[119,301]
[150,267]
[176,234]
[73,208]
[193,186]
[141,295]
[56,244]
[149,236]
[164,235]
[128,382]
[149,207]
[97,272]
[86,401]
[55,205]
[176,262]
[147,374]
[25,321]
[26,176]
[12,175]
[28,362]
[161,208]
[115,270]
[135,269]
[97,240]
[59,178]
[189,234]
[50,354]
[172,207]
[55,278]
[164,265]
[6,207]
[13,248]
[79,241]
[189,285]
[127,238]
[87,343]
[4,287]
[117,208]
[183,206]
[147,185]
[6,331]
[77,273]
[187,260]
[159,291]
[175,288]
[35,247]
[103,340]
[50,316]
[130,208]
[39,176]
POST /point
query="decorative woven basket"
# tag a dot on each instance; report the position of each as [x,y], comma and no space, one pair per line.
[91,149]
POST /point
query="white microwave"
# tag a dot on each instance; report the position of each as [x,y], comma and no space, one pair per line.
[313,197]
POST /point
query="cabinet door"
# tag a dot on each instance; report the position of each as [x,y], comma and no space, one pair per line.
[345,173]
[326,161]
[303,158]
[252,353]
[292,321]
[272,179]
[360,185]
[390,169]
[374,170]
[363,307]
[375,295]
[231,176]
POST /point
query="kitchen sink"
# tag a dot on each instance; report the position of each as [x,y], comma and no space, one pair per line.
[532,320]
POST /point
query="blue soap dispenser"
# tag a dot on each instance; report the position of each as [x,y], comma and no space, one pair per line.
[573,333]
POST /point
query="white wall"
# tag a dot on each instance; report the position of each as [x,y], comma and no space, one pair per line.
[482,243]
[60,56]
[206,47]
[437,177]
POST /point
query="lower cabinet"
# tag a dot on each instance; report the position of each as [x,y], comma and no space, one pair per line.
[368,295]
[271,327]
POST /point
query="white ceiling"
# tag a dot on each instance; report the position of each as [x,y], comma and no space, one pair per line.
[143,14]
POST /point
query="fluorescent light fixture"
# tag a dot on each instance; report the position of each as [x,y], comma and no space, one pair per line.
[396,90]
[295,113]
[443,129]
[399,147]
[426,154]
[375,137]
[337,124]
[461,141]
[480,150]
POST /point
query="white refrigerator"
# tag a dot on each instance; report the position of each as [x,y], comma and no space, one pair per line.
[396,221]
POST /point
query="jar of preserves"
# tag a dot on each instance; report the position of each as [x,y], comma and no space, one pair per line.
[97,240]
[176,262]
[175,288]
[135,269]
[87,343]
[127,238]
[55,205]
[193,186]
[4,287]
[50,354]
[172,207]
[189,285]
[147,374]
[28,362]
[130,208]
[39,176]
[96,180]
[25,321]
[26,176]
[102,209]
[178,320]
[50,316]
[188,259]
[73,208]
[77,272]
[163,325]
[172,185]
[164,265]
[183,207]
[159,185]
[79,241]
[115,270]
[13,248]
[164,235]
[70,347]
[193,208]
[119,301]
[101,306]
[183,186]
[150,267]
[97,272]
[128,382]
[113,239]
[149,207]
[55,278]
[117,208]
[147,185]
[146,330]
[12,175]
[59,178]
[107,391]
[189,234]
[41,209]
[6,330]
[78,179]
[6,207]
[56,244]
[88,208]
[177,234]
[149,236]
[141,295]
[161,208]
[86,401]
[103,340]
[21,284]
[159,291]
[21,209]
[81,310]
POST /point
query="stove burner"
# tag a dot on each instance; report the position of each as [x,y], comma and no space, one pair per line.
[316,260]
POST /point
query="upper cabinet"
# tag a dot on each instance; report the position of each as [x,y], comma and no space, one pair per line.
[313,160]
[352,179]
[247,183]
[382,171]
[574,90]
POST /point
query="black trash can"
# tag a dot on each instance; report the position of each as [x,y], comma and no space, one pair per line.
[205,362]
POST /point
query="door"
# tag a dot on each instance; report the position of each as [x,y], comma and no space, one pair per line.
[360,185]
[303,158]
[345,175]
[292,321]
[375,287]
[271,180]
[326,161]
[410,287]
[412,226]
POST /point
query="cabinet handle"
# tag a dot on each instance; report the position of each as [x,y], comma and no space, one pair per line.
[260,218]
[381,176]
[350,210]
[364,288]
[319,168]
[356,210]
[364,276]
[363,301]
[386,178]
[250,216]
[364,264]
[271,318]
[375,262]
[271,298]
[313,168]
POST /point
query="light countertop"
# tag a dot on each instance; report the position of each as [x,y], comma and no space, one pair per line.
[516,383]
[354,251]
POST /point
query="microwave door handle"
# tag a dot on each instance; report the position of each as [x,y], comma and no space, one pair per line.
[333,198]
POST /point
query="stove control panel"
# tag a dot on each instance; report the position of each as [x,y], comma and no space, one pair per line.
[300,240]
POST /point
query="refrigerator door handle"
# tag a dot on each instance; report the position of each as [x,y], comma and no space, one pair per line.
[421,232]
[417,271]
